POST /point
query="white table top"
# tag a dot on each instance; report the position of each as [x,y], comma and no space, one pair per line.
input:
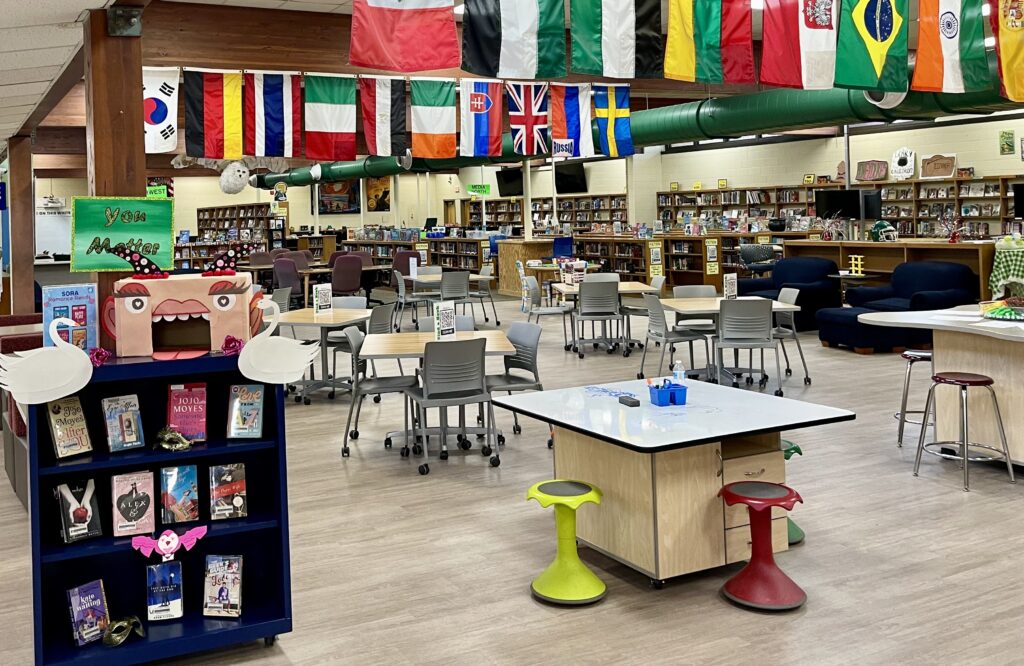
[413,345]
[335,318]
[712,305]
[625,287]
[962,319]
[712,412]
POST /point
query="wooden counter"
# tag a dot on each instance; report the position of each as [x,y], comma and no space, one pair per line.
[519,249]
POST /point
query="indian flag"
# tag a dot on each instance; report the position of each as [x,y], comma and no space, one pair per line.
[710,41]
[433,118]
[951,47]
[1008,28]
[330,113]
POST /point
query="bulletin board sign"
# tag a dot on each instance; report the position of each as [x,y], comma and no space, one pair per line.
[99,224]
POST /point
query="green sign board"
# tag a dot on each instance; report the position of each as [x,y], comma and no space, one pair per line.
[156,191]
[99,224]
[482,189]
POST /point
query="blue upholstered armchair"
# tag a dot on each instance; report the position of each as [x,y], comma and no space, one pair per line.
[810,276]
[920,285]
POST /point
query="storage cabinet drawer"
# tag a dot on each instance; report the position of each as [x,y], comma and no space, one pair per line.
[762,467]
[737,540]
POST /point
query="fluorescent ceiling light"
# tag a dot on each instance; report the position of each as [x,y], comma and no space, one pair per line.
[986,9]
[460,10]
[990,41]
[757,4]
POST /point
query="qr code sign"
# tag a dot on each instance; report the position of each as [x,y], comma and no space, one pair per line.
[444,322]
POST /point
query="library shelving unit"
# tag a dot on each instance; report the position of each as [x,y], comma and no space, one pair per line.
[220,227]
[766,201]
[625,255]
[261,538]
[381,251]
[322,247]
[466,254]
[585,210]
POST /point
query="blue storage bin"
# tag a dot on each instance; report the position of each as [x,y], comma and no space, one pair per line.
[673,394]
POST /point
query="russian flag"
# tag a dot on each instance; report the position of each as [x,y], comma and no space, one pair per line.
[481,118]
[273,114]
[569,120]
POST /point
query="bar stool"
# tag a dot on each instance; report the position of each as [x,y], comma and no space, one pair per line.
[963,380]
[566,580]
[761,584]
[912,356]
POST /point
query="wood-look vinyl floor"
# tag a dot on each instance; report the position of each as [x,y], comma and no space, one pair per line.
[389,567]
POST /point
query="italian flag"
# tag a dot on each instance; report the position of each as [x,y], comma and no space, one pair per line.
[433,118]
[1008,28]
[330,114]
[710,41]
[799,43]
[951,47]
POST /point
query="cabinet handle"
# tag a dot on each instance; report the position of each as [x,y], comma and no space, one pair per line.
[754,474]
[721,463]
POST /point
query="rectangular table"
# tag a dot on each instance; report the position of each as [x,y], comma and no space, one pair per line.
[327,322]
[712,305]
[660,468]
[625,289]
[411,345]
[435,279]
[323,270]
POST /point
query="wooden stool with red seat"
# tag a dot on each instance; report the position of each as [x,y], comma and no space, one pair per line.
[761,584]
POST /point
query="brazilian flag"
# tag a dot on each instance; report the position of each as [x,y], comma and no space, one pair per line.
[871,53]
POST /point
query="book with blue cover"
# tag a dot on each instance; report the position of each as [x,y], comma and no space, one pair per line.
[88,606]
[78,303]
[179,494]
[124,422]
[163,591]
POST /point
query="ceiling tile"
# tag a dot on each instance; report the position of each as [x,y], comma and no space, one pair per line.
[15,114]
[24,89]
[40,37]
[29,75]
[19,100]
[55,57]
[45,12]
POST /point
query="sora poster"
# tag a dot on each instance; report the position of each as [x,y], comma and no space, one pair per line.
[378,195]
[338,198]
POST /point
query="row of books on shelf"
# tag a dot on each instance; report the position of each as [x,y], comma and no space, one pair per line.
[596,203]
[686,263]
[468,263]
[257,210]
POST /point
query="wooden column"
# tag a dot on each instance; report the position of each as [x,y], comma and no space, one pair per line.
[20,201]
[115,146]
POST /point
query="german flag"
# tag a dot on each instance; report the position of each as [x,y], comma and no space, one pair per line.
[213,114]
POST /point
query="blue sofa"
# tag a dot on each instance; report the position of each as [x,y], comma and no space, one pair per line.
[810,276]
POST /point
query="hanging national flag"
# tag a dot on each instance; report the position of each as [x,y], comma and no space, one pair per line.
[872,49]
[213,114]
[481,118]
[710,41]
[611,108]
[569,120]
[384,126]
[404,35]
[799,43]
[951,47]
[330,117]
[273,114]
[528,117]
[160,108]
[433,118]
[514,38]
[617,38]
[1007,20]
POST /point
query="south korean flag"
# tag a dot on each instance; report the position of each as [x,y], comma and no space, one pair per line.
[160,108]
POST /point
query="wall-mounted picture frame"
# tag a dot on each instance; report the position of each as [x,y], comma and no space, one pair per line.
[378,195]
[809,178]
[339,198]
[1006,142]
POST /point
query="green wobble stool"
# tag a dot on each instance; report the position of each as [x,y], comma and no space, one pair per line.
[796,535]
[566,580]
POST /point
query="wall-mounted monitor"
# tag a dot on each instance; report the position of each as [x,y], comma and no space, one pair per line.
[570,178]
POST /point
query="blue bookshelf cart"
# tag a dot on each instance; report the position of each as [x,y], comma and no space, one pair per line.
[261,538]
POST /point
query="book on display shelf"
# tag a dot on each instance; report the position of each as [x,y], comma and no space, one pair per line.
[222,589]
[88,607]
[124,422]
[163,591]
[227,491]
[179,494]
[79,510]
[68,428]
[134,511]
[186,410]
[245,411]
[76,302]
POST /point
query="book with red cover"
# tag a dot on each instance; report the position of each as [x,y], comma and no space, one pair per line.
[186,410]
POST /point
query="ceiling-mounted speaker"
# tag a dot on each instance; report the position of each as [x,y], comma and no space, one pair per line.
[885,100]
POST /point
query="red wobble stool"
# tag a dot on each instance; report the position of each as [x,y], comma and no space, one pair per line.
[762,584]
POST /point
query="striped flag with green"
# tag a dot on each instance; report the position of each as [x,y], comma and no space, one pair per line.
[617,38]
[433,117]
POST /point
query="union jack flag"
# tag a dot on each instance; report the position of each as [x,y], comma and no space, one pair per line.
[528,117]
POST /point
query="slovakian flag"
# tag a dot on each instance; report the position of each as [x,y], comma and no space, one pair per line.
[384,124]
[528,117]
[404,35]
[480,101]
[213,114]
[569,120]
[1007,20]
[710,41]
[611,108]
[330,117]
[871,53]
[799,43]
[514,38]
[951,54]
[272,103]
[620,39]
[160,108]
[433,118]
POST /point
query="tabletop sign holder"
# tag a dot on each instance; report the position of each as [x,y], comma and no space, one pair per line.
[322,302]
[414,265]
[730,286]
[444,321]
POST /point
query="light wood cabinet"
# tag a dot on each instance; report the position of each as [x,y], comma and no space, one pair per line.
[737,540]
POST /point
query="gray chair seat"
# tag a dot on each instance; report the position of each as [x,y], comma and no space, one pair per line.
[446,399]
[509,382]
[551,310]
[387,384]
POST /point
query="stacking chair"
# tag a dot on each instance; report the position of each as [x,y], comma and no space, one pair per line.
[658,330]
[455,289]
[362,385]
[526,339]
[462,323]
[483,291]
[402,299]
[452,376]
[286,276]
[336,340]
[785,329]
[637,308]
[346,276]
[282,296]
[746,324]
[598,302]
[537,310]
[427,291]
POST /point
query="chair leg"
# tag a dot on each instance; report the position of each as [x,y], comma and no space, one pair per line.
[348,424]
[494,309]
[782,344]
[903,408]
[661,361]
[928,404]
[803,361]
[965,442]
[778,370]
[565,335]
[643,357]
[1002,434]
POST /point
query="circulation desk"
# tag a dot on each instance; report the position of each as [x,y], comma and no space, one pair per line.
[660,468]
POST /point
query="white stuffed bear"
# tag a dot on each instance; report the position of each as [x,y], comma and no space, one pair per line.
[234,178]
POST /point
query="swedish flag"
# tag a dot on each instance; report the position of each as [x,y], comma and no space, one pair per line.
[872,49]
[611,108]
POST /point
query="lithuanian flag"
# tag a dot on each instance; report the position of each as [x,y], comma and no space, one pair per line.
[213,114]
[1008,28]
[710,41]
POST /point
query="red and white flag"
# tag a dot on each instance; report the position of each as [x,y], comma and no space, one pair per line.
[384,117]
[404,35]
[273,114]
[799,43]
[528,117]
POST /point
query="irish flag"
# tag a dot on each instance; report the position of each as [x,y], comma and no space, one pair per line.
[951,47]
[433,118]
[710,41]
[799,40]
[330,112]
[404,35]
[1008,28]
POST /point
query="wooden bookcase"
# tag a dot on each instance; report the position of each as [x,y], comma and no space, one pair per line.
[583,211]
[464,254]
[382,251]
[261,538]
[767,201]
[322,247]
[220,227]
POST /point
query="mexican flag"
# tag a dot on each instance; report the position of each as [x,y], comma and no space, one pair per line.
[433,118]
[330,113]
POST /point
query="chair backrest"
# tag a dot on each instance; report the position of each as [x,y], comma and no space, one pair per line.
[526,339]
[747,319]
[601,277]
[380,319]
[363,257]
[310,257]
[355,344]
[802,269]
[694,291]
[534,289]
[755,253]
[484,286]
[286,274]
[300,259]
[599,297]
[349,302]
[334,257]
[453,368]
[278,251]
[260,258]
[429,270]
[788,295]
[400,261]
[398,280]
[282,296]
[658,282]
[454,285]
[656,322]
[914,276]
[347,274]
[462,323]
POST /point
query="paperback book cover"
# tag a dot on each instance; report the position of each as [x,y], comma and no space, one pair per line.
[79,510]
[134,511]
[78,303]
[245,411]
[163,582]
[179,494]
[222,590]
[186,410]
[124,422]
[227,491]
[67,425]
[88,606]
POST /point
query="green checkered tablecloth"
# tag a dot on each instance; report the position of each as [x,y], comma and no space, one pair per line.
[1007,274]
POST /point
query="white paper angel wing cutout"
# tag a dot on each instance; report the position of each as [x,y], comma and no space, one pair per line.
[275,360]
[46,374]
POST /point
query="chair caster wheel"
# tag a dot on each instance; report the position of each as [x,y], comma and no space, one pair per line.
[575,348]
[639,375]
[306,401]
[778,392]
[625,353]
[501,440]
[807,381]
[354,434]
[485,450]
[567,347]
[417,449]
[424,470]
[750,380]
[735,384]
[404,452]
[581,354]
[345,452]
[480,437]
[657,584]
[479,420]
[595,345]
[610,350]
[289,389]
[497,323]
[443,455]
[387,442]
[376,398]
[551,443]
[517,429]
[330,396]
[495,461]
[486,320]
[763,382]
[268,641]
[465,444]
[298,399]
[789,372]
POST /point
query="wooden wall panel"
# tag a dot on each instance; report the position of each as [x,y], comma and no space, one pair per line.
[22,219]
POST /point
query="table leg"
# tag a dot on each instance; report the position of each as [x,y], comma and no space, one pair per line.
[323,357]
[305,290]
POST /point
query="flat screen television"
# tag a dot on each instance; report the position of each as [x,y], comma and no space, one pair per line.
[837,203]
[510,182]
[1018,200]
[870,204]
[570,178]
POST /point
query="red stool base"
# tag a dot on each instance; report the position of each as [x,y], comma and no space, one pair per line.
[764,586]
